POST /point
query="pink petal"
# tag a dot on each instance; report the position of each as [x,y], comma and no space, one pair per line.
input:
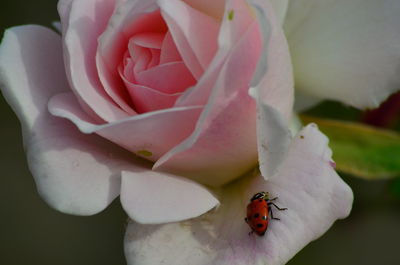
[167,78]
[151,197]
[129,18]
[223,146]
[306,184]
[74,173]
[194,33]
[147,99]
[141,59]
[155,58]
[87,19]
[149,39]
[169,52]
[213,8]
[231,32]
[149,135]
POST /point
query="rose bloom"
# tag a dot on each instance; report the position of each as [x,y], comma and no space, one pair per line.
[182,108]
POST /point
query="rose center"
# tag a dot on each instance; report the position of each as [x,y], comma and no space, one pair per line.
[152,68]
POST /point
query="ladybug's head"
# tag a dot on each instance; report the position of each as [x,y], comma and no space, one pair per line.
[260,195]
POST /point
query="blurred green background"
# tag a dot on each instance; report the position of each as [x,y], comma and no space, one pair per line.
[33,233]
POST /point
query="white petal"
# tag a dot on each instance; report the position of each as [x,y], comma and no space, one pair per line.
[272,88]
[273,139]
[312,191]
[154,132]
[305,183]
[272,82]
[346,50]
[280,7]
[74,173]
[152,197]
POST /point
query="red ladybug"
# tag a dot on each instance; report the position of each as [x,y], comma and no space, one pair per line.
[258,211]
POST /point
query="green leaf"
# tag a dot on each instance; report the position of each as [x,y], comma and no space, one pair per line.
[361,150]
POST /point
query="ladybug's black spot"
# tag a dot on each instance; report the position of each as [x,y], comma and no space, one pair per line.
[264,217]
[260,225]
[256,215]
[260,200]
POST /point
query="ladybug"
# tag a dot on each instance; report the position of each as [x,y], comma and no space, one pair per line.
[258,211]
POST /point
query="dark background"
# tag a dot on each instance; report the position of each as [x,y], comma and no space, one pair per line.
[33,233]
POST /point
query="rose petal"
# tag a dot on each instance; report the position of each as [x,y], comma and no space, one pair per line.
[240,15]
[280,7]
[231,32]
[272,82]
[148,135]
[213,8]
[307,185]
[152,197]
[155,58]
[273,139]
[168,78]
[314,194]
[228,121]
[64,9]
[169,52]
[208,143]
[86,20]
[346,50]
[195,34]
[272,88]
[147,99]
[144,98]
[140,60]
[128,19]
[74,173]
[149,39]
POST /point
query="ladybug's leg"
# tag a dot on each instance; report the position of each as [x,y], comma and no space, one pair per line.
[272,213]
[246,220]
[280,209]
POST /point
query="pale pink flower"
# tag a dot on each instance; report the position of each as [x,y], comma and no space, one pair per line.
[203,90]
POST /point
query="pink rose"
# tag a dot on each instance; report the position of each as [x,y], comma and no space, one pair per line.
[160,79]
[169,81]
